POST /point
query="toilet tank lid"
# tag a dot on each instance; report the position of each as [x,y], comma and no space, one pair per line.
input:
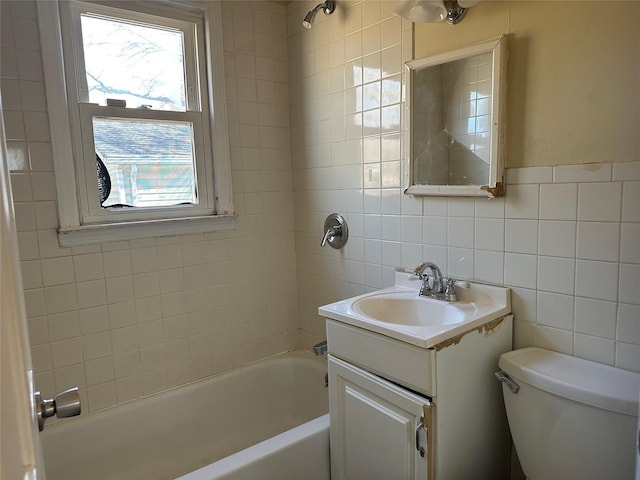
[575,378]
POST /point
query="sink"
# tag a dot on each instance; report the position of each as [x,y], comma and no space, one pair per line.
[401,313]
[407,308]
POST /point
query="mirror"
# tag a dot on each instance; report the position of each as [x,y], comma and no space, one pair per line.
[454,114]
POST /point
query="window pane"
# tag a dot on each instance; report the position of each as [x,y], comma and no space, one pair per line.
[143,65]
[147,163]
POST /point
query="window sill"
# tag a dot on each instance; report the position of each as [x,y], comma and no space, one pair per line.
[110,232]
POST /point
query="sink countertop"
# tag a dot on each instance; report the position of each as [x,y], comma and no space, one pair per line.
[481,304]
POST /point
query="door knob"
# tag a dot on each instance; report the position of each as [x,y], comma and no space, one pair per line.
[64,404]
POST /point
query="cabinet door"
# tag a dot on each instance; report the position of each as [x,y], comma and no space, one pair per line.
[377,428]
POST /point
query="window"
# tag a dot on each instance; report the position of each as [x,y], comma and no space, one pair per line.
[145,151]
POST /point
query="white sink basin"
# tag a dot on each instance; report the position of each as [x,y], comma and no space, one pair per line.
[407,308]
[399,311]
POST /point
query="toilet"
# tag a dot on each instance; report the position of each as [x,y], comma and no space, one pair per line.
[570,418]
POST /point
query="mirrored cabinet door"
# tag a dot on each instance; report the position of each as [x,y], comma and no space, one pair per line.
[454,114]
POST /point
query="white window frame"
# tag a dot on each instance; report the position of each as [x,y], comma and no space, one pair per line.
[82,220]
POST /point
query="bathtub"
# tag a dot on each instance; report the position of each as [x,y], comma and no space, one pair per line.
[265,421]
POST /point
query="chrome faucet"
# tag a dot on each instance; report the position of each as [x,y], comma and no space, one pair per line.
[428,290]
[441,288]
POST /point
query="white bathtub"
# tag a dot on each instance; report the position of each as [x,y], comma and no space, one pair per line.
[270,417]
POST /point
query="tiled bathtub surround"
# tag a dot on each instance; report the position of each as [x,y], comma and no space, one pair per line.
[126,319]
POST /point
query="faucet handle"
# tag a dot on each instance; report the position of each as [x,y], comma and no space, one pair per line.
[419,271]
[449,291]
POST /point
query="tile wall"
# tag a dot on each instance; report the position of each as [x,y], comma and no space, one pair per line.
[566,239]
[122,320]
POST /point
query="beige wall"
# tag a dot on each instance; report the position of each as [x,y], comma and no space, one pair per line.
[573,76]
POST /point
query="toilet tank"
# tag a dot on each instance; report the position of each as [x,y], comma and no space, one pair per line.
[571,418]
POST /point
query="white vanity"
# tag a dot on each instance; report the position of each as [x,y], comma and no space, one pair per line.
[412,393]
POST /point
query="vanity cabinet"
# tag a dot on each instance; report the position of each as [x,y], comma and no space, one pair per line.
[401,412]
[377,428]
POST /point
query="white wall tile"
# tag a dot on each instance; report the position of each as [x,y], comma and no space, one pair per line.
[435,230]
[99,371]
[122,315]
[460,207]
[598,280]
[391,254]
[629,281]
[555,339]
[411,254]
[70,375]
[628,323]
[630,243]
[460,263]
[490,207]
[596,349]
[101,396]
[489,266]
[626,171]
[31,274]
[595,317]
[41,358]
[522,201]
[557,238]
[119,289]
[556,274]
[91,293]
[88,267]
[555,310]
[628,356]
[525,334]
[489,234]
[436,206]
[436,254]
[529,175]
[60,298]
[524,304]
[411,228]
[600,172]
[630,202]
[38,330]
[94,319]
[598,241]
[63,325]
[599,202]
[460,232]
[521,236]
[66,352]
[558,201]
[520,270]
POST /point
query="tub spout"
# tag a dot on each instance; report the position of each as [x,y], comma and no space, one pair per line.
[320,348]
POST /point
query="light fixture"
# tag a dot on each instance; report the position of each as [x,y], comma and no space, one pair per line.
[327,7]
[431,11]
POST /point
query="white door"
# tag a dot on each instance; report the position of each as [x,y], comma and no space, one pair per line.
[638,443]
[378,429]
[20,451]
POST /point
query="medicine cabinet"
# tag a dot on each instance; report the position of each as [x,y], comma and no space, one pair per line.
[455,121]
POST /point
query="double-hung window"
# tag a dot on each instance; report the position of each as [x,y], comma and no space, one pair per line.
[136,105]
